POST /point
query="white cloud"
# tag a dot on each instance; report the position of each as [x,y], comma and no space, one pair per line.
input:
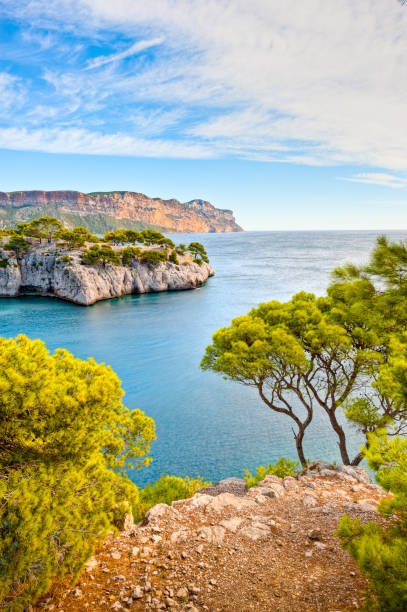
[378,178]
[316,82]
[81,141]
[139,46]
[11,92]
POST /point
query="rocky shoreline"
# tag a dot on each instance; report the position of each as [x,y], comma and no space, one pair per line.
[54,272]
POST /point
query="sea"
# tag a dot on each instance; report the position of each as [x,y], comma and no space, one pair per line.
[205,425]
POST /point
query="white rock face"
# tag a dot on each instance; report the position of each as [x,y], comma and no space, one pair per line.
[41,271]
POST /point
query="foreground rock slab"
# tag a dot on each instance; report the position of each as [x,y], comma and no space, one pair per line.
[228,553]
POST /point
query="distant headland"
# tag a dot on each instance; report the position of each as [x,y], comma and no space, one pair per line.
[44,258]
[103,211]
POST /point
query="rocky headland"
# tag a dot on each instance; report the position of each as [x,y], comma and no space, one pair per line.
[230,549]
[103,211]
[47,270]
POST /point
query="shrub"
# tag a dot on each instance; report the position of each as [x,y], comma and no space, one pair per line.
[284,467]
[66,439]
[65,259]
[181,248]
[77,237]
[100,255]
[154,257]
[3,262]
[151,236]
[17,244]
[128,254]
[198,252]
[381,552]
[166,490]
[173,257]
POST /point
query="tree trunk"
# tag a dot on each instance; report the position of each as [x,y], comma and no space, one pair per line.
[299,437]
[341,435]
[357,459]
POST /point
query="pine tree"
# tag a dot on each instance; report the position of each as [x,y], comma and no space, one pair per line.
[66,439]
[381,552]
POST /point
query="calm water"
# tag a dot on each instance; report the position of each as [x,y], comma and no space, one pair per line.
[205,425]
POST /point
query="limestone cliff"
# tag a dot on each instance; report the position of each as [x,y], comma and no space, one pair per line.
[43,271]
[104,211]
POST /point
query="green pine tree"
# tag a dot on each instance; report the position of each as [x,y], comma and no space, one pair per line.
[66,439]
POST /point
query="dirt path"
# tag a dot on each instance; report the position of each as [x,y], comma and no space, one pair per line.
[272,550]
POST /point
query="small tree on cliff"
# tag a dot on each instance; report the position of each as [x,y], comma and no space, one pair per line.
[154,257]
[65,441]
[17,244]
[152,236]
[197,251]
[128,254]
[47,227]
[103,255]
[76,237]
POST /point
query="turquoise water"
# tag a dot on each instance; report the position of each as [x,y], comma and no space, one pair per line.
[155,342]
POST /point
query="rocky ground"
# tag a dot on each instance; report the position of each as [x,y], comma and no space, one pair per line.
[271,548]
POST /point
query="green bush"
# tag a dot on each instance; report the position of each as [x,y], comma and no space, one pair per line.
[154,257]
[173,257]
[17,244]
[151,236]
[77,237]
[198,252]
[3,262]
[100,255]
[128,254]
[66,441]
[65,259]
[166,490]
[284,467]
[381,552]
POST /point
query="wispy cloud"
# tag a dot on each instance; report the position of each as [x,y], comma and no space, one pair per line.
[74,140]
[377,178]
[11,93]
[137,47]
[311,82]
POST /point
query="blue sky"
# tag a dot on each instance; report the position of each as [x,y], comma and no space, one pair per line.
[293,114]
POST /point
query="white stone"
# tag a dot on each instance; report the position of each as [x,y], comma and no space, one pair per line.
[227,500]
[91,564]
[256,531]
[160,511]
[115,555]
[231,524]
[213,534]
[180,536]
[138,592]
[309,501]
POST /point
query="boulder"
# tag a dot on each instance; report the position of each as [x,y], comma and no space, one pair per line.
[213,535]
[230,501]
[231,524]
[255,531]
[235,486]
[161,511]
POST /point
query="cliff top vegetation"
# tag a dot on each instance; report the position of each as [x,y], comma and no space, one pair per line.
[115,247]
